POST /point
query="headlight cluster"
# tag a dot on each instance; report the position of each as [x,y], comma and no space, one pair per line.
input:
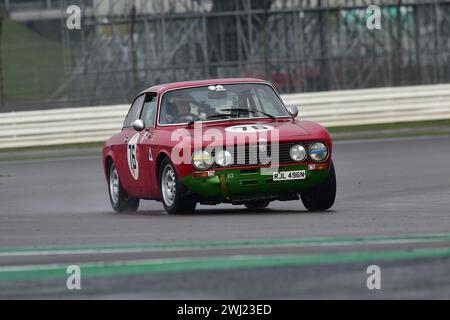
[202,160]
[298,152]
[223,158]
[318,152]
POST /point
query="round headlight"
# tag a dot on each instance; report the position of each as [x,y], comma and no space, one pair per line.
[223,158]
[298,152]
[201,160]
[318,151]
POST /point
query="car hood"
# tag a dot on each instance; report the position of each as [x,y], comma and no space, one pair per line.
[284,130]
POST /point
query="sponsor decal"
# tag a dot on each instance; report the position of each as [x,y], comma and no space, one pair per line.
[216,88]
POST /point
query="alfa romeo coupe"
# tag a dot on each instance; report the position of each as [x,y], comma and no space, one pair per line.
[217,141]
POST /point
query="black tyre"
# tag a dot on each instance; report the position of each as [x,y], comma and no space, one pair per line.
[256,205]
[120,200]
[321,197]
[173,193]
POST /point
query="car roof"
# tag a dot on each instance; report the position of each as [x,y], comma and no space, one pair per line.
[200,83]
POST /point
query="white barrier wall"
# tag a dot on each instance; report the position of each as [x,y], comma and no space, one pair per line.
[331,109]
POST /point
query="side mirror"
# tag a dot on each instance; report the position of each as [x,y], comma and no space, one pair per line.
[293,111]
[138,125]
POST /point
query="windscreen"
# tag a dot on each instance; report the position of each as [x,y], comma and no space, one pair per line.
[235,101]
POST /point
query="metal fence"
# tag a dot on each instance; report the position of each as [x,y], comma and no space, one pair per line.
[300,45]
[331,109]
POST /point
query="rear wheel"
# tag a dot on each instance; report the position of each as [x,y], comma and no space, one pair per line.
[321,197]
[256,205]
[173,193]
[120,201]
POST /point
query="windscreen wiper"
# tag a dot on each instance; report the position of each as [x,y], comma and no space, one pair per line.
[250,111]
[219,115]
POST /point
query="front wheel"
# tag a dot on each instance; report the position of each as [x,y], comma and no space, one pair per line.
[321,197]
[173,193]
[120,201]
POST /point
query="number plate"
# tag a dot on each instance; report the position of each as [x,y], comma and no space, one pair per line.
[289,175]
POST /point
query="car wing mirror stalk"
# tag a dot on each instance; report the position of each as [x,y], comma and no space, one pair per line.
[293,111]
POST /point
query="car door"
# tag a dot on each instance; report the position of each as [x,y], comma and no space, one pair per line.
[148,180]
[127,155]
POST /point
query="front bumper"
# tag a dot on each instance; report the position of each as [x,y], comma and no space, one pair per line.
[227,184]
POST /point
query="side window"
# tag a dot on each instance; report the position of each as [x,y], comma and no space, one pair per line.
[134,112]
[149,110]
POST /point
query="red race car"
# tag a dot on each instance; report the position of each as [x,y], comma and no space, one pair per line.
[217,141]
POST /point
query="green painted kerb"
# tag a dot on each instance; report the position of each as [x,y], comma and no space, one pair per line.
[241,181]
[213,263]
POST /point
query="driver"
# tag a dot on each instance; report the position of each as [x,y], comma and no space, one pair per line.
[180,107]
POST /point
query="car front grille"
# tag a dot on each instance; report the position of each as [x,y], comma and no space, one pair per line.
[249,154]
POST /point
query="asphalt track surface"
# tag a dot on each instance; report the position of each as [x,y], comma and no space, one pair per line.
[392,210]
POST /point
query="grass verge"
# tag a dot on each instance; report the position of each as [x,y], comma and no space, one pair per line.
[32,64]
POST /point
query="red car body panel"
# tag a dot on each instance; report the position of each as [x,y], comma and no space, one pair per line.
[155,143]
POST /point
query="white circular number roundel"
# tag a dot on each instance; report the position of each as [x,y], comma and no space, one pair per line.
[249,128]
[133,157]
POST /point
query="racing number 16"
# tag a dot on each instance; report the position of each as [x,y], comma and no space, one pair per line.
[132,159]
